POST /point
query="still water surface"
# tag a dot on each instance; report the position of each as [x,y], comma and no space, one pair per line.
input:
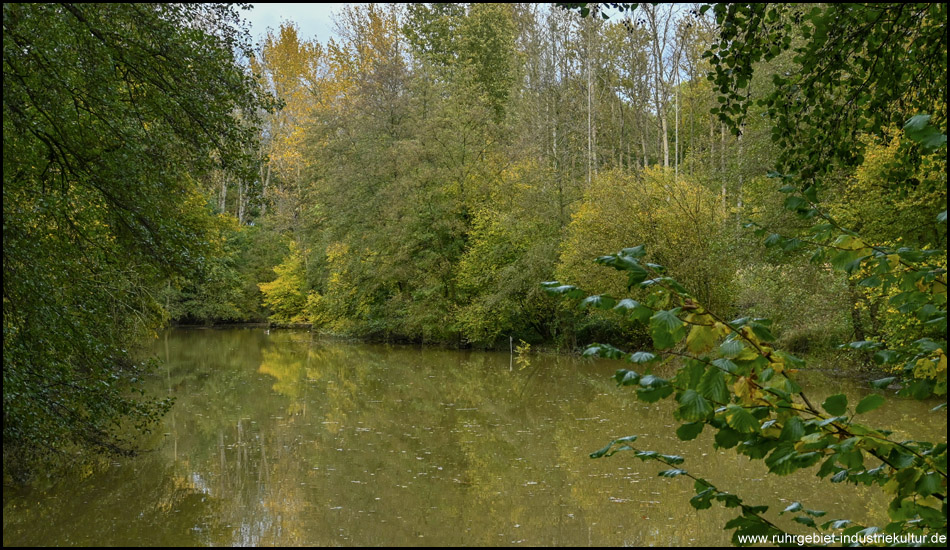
[289,439]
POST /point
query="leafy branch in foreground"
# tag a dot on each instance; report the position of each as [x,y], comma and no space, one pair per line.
[749,522]
[732,380]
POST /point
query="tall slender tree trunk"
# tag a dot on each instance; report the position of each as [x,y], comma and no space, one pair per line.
[265,181]
[722,161]
[739,189]
[223,195]
[676,159]
[590,113]
[665,141]
[241,201]
[643,144]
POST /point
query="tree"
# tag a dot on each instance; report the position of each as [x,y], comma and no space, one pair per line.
[286,296]
[112,115]
[861,72]
[291,69]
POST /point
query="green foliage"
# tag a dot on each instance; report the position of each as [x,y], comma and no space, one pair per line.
[510,247]
[681,224]
[340,304]
[731,380]
[226,289]
[855,65]
[286,296]
[112,115]
[858,71]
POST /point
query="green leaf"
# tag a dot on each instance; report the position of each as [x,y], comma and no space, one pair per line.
[627,304]
[626,377]
[600,301]
[641,313]
[793,430]
[928,136]
[688,432]
[865,345]
[832,420]
[804,520]
[929,484]
[782,459]
[602,452]
[731,348]
[642,357]
[836,404]
[703,499]
[636,276]
[603,350]
[713,385]
[795,204]
[853,459]
[625,262]
[725,365]
[869,403]
[607,451]
[567,290]
[790,360]
[673,472]
[927,345]
[762,331]
[690,375]
[837,524]
[847,260]
[634,252]
[793,507]
[729,500]
[693,407]
[828,467]
[727,438]
[666,329]
[653,389]
[740,419]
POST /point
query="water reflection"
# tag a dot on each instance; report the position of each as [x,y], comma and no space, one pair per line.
[282,439]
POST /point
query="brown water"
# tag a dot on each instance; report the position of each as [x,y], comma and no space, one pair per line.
[288,439]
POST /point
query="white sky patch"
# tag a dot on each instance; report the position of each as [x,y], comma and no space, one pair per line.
[313,20]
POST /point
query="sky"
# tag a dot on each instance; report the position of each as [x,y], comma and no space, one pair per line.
[314,20]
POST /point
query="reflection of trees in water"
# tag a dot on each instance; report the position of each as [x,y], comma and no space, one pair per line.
[282,439]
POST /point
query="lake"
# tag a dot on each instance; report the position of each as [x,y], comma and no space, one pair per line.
[287,438]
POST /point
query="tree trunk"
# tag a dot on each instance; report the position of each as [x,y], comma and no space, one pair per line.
[240,205]
[223,196]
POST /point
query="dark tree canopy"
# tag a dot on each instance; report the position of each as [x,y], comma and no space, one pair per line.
[112,114]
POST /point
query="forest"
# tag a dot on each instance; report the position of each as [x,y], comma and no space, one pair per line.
[616,178]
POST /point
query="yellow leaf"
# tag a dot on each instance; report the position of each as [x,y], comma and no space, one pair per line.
[892,486]
[925,368]
[893,260]
[743,389]
[701,339]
